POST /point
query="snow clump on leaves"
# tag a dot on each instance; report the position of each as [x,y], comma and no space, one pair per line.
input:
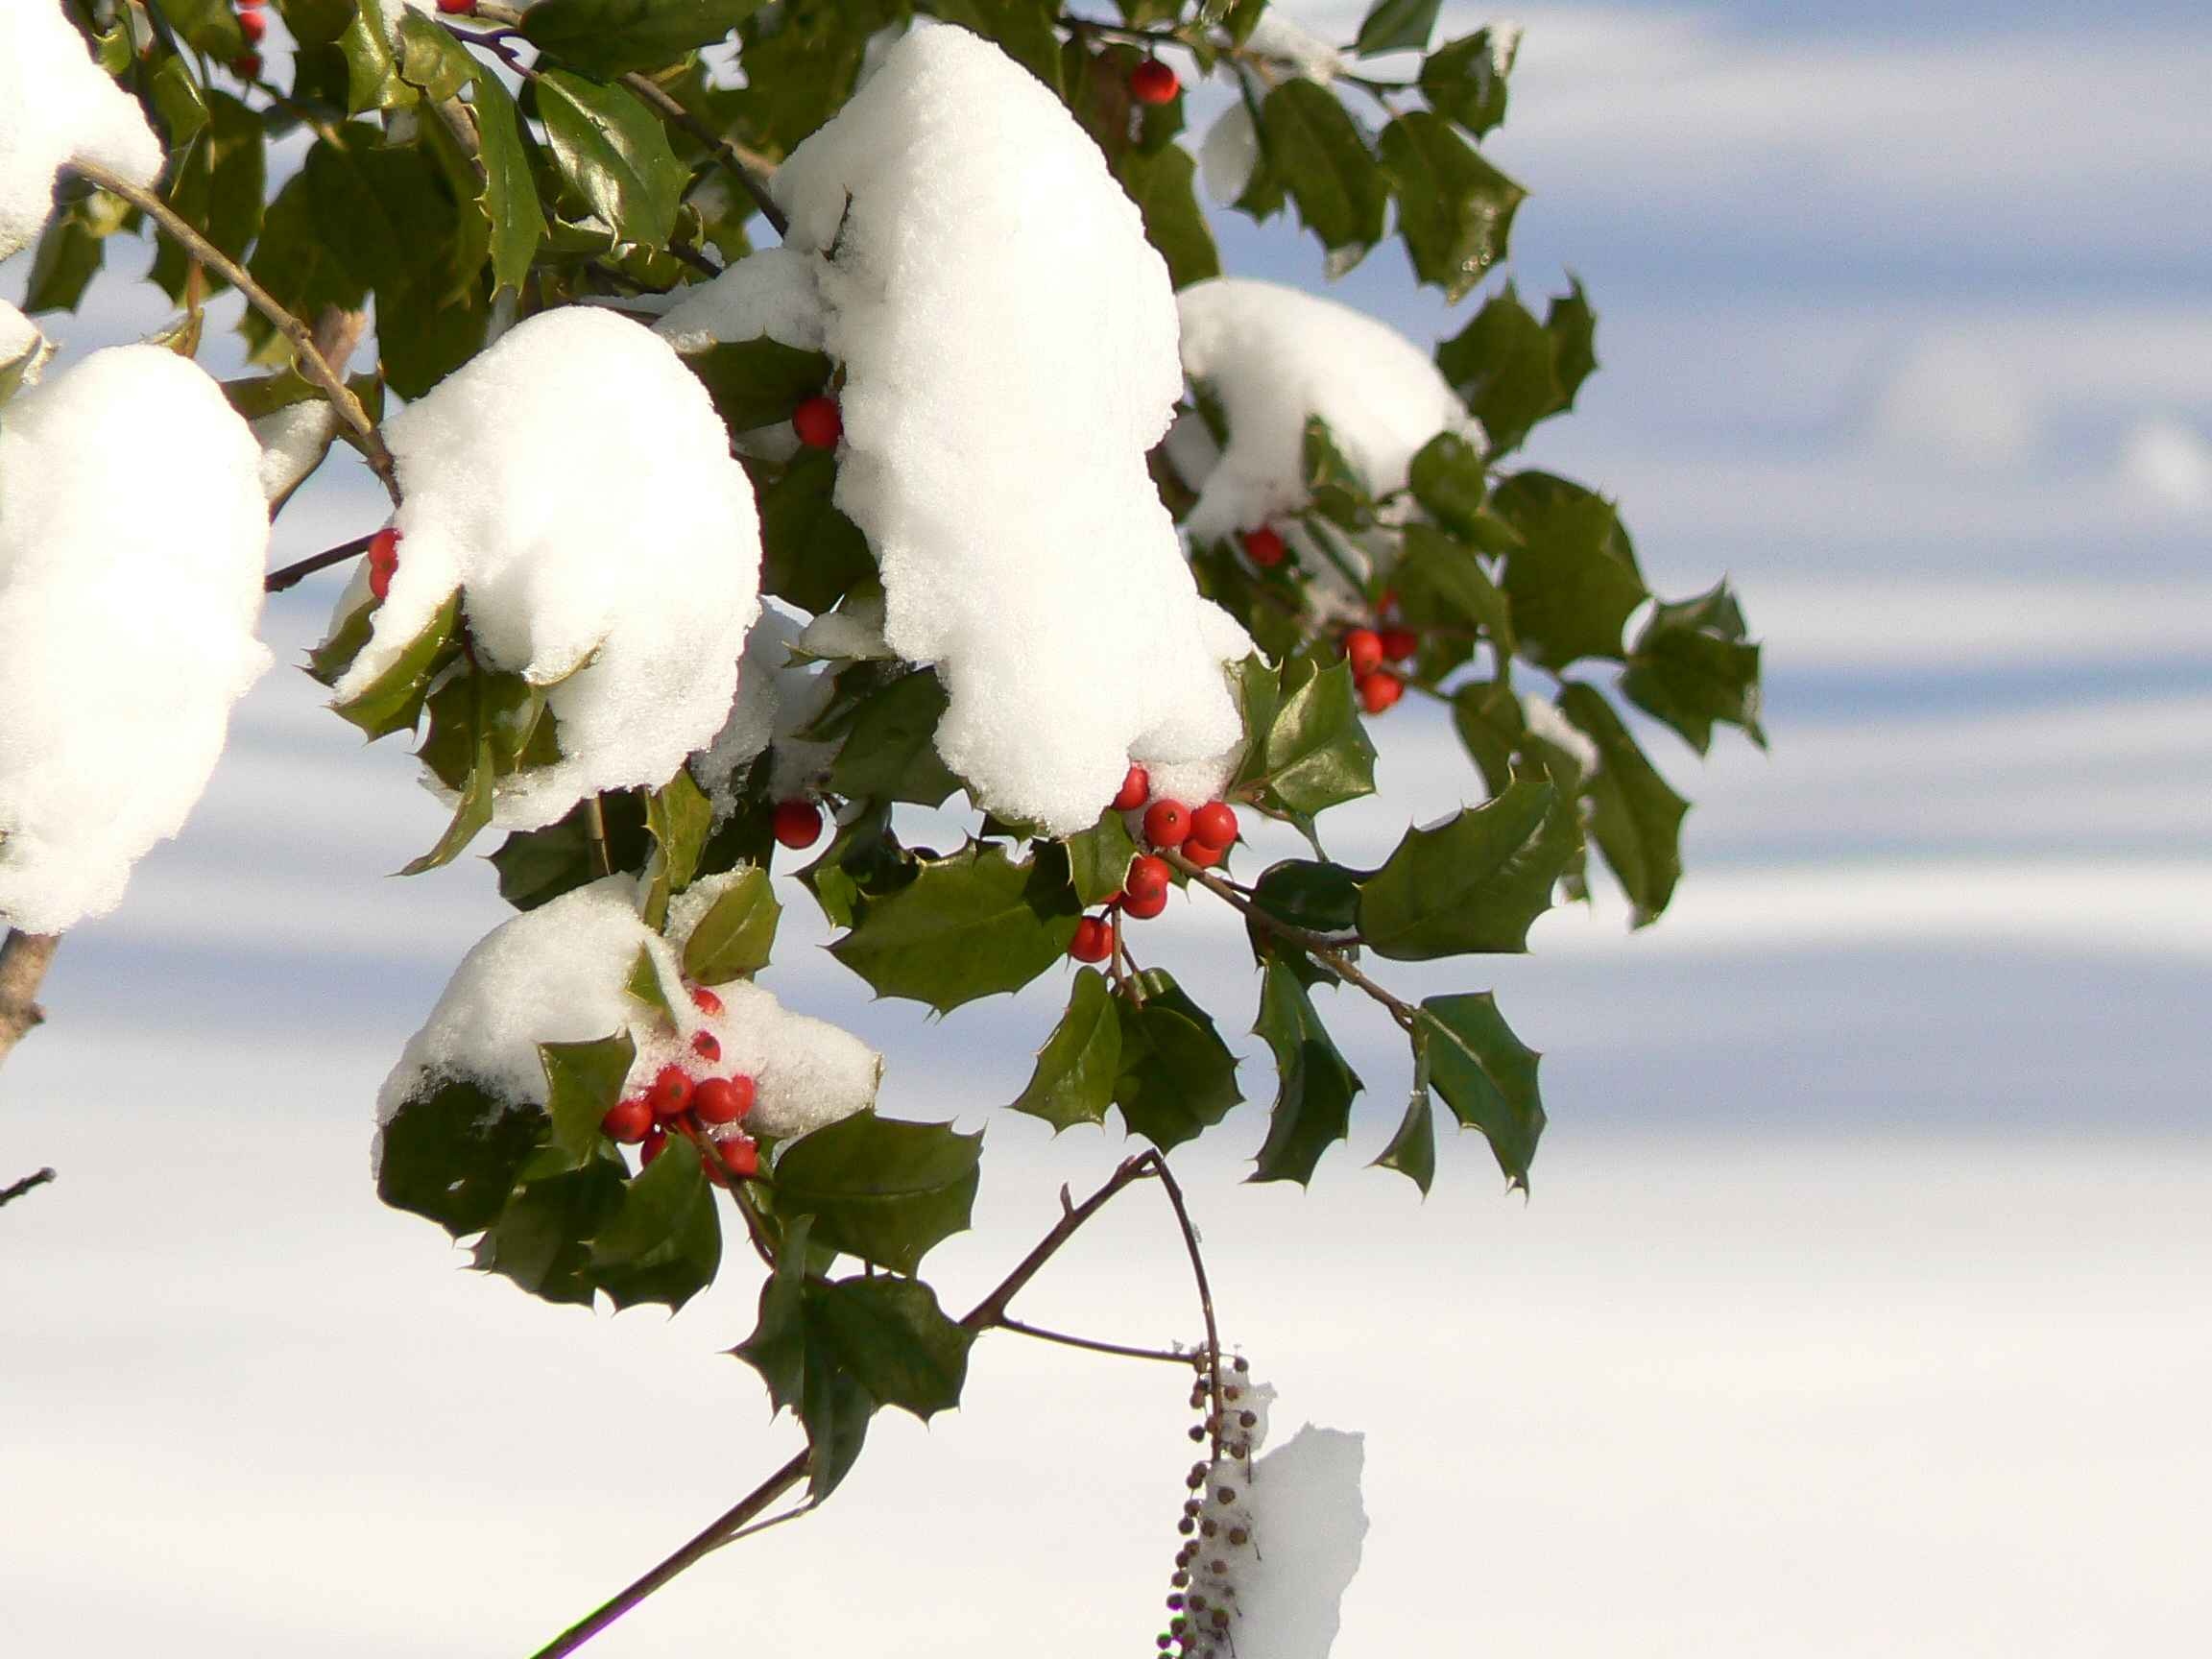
[125,635]
[576,485]
[563,973]
[1008,338]
[57,106]
[1310,1526]
[1274,357]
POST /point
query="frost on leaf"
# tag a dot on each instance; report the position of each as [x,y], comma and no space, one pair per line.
[575,485]
[125,636]
[1008,341]
[57,106]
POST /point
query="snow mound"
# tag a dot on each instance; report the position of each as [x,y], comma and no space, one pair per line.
[560,973]
[776,292]
[1309,1525]
[1275,356]
[575,482]
[776,698]
[23,349]
[56,105]
[125,633]
[293,440]
[1008,337]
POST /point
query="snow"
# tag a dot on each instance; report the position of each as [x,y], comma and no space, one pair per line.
[127,618]
[575,482]
[293,441]
[1274,356]
[1308,1523]
[559,973]
[776,698]
[775,292]
[58,105]
[1545,722]
[1008,339]
[1229,153]
[1278,38]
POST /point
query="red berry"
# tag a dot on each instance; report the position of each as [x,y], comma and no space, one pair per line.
[1399,643]
[819,422]
[1214,825]
[454,7]
[1148,876]
[1263,547]
[1167,823]
[706,1001]
[628,1120]
[722,1099]
[383,560]
[740,1155]
[1094,941]
[247,65]
[1363,650]
[706,1045]
[798,824]
[655,1137]
[1379,690]
[1152,81]
[670,1094]
[1144,906]
[1203,856]
[252,25]
[1136,790]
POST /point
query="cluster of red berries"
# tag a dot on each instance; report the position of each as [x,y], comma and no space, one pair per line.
[247,65]
[704,1109]
[819,422]
[1203,836]
[1265,546]
[383,560]
[1366,650]
[1152,81]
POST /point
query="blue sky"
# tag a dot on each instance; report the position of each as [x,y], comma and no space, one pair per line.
[1867,1243]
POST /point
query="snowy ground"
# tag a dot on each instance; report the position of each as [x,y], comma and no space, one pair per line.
[1858,1306]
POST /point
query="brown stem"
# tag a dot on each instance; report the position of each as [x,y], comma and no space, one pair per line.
[1091,1343]
[292,575]
[29,1183]
[1168,1184]
[23,963]
[312,363]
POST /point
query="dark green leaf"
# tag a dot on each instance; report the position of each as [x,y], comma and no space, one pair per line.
[1313,1102]
[894,1340]
[541,1240]
[372,78]
[1321,156]
[69,255]
[1160,184]
[1513,370]
[393,700]
[470,815]
[737,933]
[1303,893]
[882,1189]
[1465,79]
[968,926]
[1574,581]
[210,26]
[1441,585]
[679,817]
[777,1349]
[1099,859]
[1694,664]
[665,1242]
[1313,752]
[1397,26]
[1412,1150]
[1485,1075]
[613,152]
[1491,724]
[835,1409]
[1338,490]
[1473,883]
[1454,209]
[1178,1079]
[1635,818]
[758,382]
[1447,479]
[1574,329]
[536,866]
[509,198]
[802,62]
[810,553]
[1076,1068]
[454,1154]
[582,1080]
[616,37]
[890,750]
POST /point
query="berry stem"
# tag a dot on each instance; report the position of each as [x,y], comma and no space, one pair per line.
[1091,1343]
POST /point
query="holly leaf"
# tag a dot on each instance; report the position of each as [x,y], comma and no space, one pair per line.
[777,1349]
[1177,1078]
[1474,883]
[582,1080]
[541,1240]
[737,933]
[392,702]
[1636,818]
[613,38]
[1397,26]
[1512,370]
[810,553]
[1077,1067]
[509,197]
[1486,1075]
[470,814]
[1441,585]
[1412,1148]
[1454,209]
[1312,751]
[536,866]
[1574,581]
[891,1337]
[613,153]
[969,925]
[1313,1098]
[1317,151]
[884,1190]
[1099,858]
[679,817]
[758,382]
[1160,182]
[890,747]
[454,1154]
[665,1242]
[1465,79]
[1694,664]
[1321,897]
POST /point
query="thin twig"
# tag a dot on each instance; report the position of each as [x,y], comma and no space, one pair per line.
[1217,1417]
[24,959]
[312,363]
[292,575]
[29,1183]
[1020,1329]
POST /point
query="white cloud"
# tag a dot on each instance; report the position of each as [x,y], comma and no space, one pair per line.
[2171,463]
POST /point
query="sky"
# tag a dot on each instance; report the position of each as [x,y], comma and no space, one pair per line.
[1856,1306]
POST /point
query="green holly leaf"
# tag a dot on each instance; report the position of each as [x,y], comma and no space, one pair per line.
[1695,665]
[613,153]
[863,862]
[1474,883]
[1513,370]
[1078,1066]
[454,1154]
[758,382]
[665,1242]
[216,185]
[541,1240]
[644,987]
[1177,1078]
[884,1190]
[1454,209]
[1490,721]
[471,814]
[738,934]
[70,251]
[1574,329]
[802,62]
[810,553]
[835,1409]
[1574,581]
[209,25]
[1313,1100]
[583,1081]
[1446,476]
[1310,750]
[431,61]
[536,866]
[891,1337]
[509,195]
[1321,897]
[613,38]
[967,925]
[372,78]
[1441,585]
[1412,1148]
[1318,152]
[1160,182]
[1337,488]
[1465,80]
[1397,26]
[1099,858]
[777,1349]
[890,747]
[1635,818]
[392,702]
[1485,1074]
[679,817]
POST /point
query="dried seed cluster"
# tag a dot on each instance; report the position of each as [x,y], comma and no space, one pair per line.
[1215,1534]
